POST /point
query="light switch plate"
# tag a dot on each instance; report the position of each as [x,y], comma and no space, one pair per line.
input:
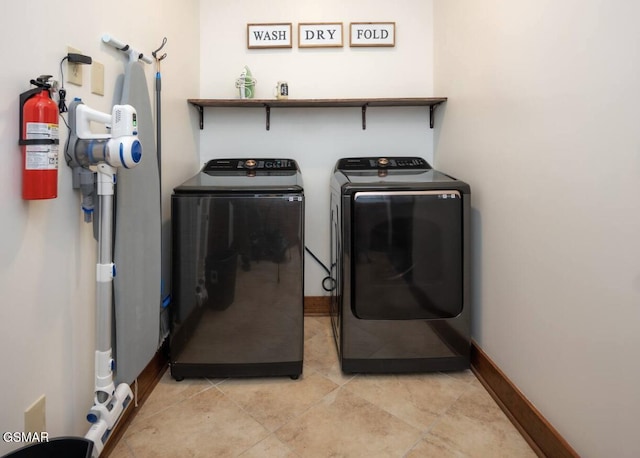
[97,78]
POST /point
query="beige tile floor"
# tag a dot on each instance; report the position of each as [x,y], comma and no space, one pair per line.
[323,414]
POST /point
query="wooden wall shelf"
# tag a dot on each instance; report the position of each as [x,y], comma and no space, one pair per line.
[267,104]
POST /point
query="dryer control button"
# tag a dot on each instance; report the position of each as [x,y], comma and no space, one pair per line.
[383,162]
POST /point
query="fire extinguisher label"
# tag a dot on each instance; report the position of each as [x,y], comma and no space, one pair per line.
[40,130]
[41,157]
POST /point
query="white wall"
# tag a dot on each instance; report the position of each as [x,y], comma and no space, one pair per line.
[47,274]
[542,120]
[316,137]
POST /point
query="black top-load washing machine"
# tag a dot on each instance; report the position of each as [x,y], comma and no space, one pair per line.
[238,266]
[400,258]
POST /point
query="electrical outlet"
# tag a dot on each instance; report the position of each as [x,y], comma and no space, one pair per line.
[74,71]
[97,78]
[35,417]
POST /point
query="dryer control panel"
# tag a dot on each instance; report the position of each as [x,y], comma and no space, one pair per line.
[377,163]
[216,165]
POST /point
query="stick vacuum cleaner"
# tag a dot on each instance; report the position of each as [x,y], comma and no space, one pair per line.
[97,157]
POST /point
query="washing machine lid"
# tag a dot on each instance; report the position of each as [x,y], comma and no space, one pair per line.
[389,171]
[249,175]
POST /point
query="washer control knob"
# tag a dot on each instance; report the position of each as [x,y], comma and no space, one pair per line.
[383,162]
[250,163]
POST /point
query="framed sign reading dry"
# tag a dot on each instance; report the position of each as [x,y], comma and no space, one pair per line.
[320,35]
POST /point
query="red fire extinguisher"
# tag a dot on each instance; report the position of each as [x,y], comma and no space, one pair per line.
[39,141]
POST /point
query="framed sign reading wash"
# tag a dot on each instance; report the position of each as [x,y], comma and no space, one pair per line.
[269,35]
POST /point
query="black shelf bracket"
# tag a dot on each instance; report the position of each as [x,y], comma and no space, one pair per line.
[267,109]
[432,109]
[200,109]
[364,117]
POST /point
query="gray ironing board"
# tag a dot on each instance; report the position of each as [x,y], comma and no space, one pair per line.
[137,245]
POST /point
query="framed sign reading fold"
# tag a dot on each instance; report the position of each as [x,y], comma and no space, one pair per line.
[372,34]
[320,35]
[269,35]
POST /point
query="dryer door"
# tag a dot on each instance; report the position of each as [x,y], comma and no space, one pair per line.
[407,255]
